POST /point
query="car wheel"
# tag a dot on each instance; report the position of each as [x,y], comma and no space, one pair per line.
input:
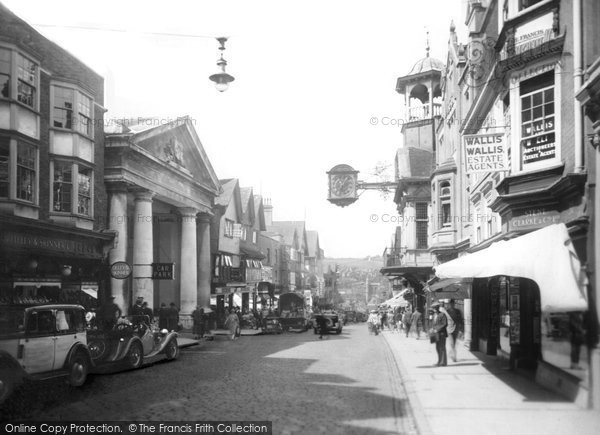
[78,369]
[172,349]
[97,349]
[135,356]
[7,385]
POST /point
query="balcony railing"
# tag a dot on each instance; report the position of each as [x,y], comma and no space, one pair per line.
[416,113]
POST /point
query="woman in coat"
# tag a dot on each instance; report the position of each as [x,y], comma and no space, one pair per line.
[232,323]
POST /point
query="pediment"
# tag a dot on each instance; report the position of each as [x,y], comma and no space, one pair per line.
[178,146]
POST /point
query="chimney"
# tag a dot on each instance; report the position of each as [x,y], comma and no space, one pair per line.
[268,212]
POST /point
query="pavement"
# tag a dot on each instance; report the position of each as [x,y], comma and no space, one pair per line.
[187,339]
[479,394]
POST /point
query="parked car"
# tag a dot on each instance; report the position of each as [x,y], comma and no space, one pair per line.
[42,342]
[132,340]
[333,322]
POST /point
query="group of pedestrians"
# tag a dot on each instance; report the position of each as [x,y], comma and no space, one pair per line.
[445,323]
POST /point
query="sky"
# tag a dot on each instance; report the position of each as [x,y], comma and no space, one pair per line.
[314,87]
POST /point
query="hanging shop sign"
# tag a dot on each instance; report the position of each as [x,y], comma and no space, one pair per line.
[120,270]
[485,153]
[165,271]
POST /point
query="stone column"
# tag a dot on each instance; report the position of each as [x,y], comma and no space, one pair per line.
[143,248]
[204,261]
[117,221]
[188,265]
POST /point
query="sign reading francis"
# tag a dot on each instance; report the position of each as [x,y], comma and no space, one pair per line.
[163,270]
[485,153]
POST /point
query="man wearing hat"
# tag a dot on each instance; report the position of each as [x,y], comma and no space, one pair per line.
[108,314]
[440,324]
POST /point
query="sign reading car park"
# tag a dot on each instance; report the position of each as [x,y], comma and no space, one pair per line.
[163,270]
[120,270]
[485,153]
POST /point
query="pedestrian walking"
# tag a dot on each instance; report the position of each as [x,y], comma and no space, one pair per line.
[455,326]
[322,324]
[163,316]
[173,318]
[233,324]
[238,313]
[198,318]
[439,334]
[416,322]
[406,320]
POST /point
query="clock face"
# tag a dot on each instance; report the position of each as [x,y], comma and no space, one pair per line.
[343,186]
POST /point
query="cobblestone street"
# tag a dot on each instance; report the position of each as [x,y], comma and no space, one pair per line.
[346,383]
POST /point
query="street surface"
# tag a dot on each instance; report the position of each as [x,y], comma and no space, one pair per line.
[346,383]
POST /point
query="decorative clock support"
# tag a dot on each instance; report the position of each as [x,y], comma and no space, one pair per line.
[344,185]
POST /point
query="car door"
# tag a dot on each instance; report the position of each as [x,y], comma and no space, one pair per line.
[70,328]
[39,341]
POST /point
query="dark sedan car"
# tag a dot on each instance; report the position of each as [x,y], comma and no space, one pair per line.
[332,322]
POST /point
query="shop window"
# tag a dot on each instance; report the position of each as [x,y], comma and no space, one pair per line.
[26,172]
[445,205]
[84,191]
[63,186]
[4,167]
[538,139]
[422,224]
[27,78]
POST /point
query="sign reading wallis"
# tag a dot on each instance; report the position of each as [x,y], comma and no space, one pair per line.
[485,153]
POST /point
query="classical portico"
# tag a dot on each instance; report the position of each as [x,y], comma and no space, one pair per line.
[161,189]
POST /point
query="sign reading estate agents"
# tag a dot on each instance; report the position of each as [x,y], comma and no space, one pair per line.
[485,153]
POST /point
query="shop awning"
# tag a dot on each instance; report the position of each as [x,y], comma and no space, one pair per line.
[450,288]
[546,256]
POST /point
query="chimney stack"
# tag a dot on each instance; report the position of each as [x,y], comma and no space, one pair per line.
[268,212]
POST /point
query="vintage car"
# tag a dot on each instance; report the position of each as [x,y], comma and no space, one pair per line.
[42,342]
[130,342]
[332,320]
[271,325]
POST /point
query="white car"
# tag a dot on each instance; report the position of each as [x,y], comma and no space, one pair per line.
[47,341]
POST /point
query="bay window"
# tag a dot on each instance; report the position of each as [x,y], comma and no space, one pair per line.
[5,72]
[62,112]
[445,205]
[84,124]
[27,80]
[4,168]
[26,172]
[84,191]
[63,186]
[72,110]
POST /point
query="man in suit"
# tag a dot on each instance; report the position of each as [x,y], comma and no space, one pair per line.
[440,323]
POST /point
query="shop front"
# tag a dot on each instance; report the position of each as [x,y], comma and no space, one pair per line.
[529,306]
[41,263]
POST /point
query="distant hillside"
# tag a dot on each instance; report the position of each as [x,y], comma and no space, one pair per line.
[366,263]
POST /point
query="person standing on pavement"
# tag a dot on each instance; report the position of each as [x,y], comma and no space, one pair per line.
[233,324]
[173,317]
[238,313]
[455,326]
[440,323]
[147,311]
[322,324]
[416,322]
[163,316]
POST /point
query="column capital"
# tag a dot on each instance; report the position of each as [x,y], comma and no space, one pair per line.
[204,218]
[143,195]
[117,187]
[188,212]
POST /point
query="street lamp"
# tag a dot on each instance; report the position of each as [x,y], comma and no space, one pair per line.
[222,79]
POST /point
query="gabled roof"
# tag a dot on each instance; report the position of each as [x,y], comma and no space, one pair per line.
[259,213]
[312,239]
[247,199]
[231,192]
[291,229]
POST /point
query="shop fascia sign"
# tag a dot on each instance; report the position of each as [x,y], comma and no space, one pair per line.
[485,152]
[532,34]
[534,219]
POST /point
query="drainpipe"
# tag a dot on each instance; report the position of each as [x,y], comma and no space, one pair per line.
[577,82]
